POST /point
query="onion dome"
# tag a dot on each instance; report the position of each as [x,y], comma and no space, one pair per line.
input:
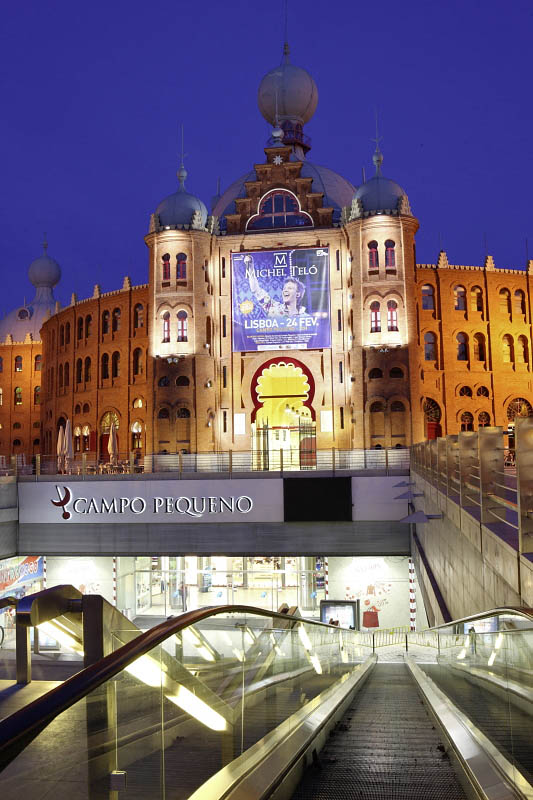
[182,209]
[44,273]
[287,93]
[380,195]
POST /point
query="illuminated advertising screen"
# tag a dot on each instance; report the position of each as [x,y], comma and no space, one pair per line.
[281,299]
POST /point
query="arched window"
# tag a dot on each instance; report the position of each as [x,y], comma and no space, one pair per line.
[397,405]
[182,381]
[37,363]
[279,209]
[482,391]
[79,326]
[37,396]
[105,366]
[396,373]
[430,347]
[508,349]
[375,373]
[17,426]
[77,439]
[520,302]
[428,297]
[138,316]
[18,363]
[522,350]
[18,396]
[462,347]
[165,273]
[105,322]
[137,361]
[61,335]
[115,364]
[1,364]
[505,301]
[373,257]
[375,317]
[476,298]
[86,438]
[16,443]
[87,369]
[465,391]
[377,406]
[166,326]
[479,347]
[110,417]
[88,325]
[77,408]
[138,403]
[67,374]
[136,435]
[116,319]
[163,413]
[483,419]
[392,315]
[60,376]
[390,255]
[467,421]
[182,326]
[181,267]
[67,333]
[519,407]
[459,293]
[164,381]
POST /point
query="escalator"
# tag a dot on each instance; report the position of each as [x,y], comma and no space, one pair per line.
[236,702]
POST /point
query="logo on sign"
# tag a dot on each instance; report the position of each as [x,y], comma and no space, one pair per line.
[63,501]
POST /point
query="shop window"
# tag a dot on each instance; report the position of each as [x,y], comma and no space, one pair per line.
[520,302]
[392,315]
[508,349]
[375,317]
[279,209]
[165,272]
[138,316]
[166,327]
[462,347]
[17,394]
[465,391]
[181,267]
[115,365]
[163,413]
[476,298]
[467,421]
[137,361]
[396,373]
[505,301]
[105,366]
[479,347]
[522,350]
[430,347]
[483,419]
[390,255]
[67,333]
[482,391]
[164,381]
[88,325]
[375,373]
[373,257]
[18,363]
[79,328]
[459,294]
[105,321]
[37,363]
[182,326]
[136,436]
[428,297]
[182,381]
[116,319]
[87,370]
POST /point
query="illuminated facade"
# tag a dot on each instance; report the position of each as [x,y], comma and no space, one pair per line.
[343,340]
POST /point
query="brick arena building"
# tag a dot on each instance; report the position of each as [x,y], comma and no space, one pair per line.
[294,317]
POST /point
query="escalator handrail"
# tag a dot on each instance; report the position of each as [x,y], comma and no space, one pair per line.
[520,611]
[21,727]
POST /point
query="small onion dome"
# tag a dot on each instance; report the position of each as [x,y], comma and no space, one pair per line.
[44,271]
[287,93]
[177,209]
[379,193]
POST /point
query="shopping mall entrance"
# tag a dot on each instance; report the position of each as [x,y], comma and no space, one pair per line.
[283,430]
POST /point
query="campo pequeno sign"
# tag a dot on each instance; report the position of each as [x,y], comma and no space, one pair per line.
[147,501]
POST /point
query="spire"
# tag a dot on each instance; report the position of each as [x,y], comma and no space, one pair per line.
[377,158]
[286,50]
[182,172]
[277,131]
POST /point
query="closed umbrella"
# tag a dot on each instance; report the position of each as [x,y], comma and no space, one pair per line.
[68,449]
[112,445]
[60,448]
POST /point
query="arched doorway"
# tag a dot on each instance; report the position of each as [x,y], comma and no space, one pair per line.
[105,427]
[283,425]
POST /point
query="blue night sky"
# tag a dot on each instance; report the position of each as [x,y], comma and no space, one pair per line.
[92,96]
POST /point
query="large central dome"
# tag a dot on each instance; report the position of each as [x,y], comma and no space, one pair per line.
[288,93]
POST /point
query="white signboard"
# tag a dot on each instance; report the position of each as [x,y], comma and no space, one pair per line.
[147,501]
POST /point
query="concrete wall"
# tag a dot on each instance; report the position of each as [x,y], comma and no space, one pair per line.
[8,517]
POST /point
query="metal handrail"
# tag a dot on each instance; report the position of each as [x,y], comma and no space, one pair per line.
[522,611]
[21,727]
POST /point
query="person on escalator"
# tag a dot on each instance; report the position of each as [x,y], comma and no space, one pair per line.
[472,638]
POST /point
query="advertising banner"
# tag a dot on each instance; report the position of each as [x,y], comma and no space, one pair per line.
[14,572]
[176,502]
[281,299]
